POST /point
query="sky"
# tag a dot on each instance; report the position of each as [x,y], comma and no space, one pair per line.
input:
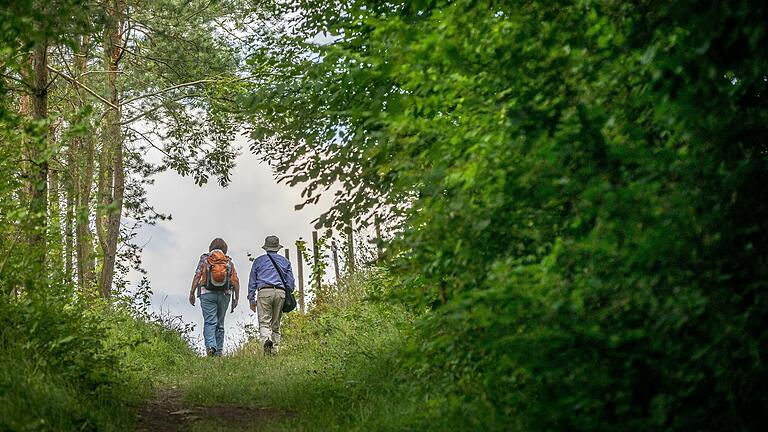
[250,208]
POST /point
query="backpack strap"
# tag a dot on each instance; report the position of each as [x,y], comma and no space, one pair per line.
[229,275]
[207,275]
[279,272]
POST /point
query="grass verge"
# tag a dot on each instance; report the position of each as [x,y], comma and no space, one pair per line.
[338,369]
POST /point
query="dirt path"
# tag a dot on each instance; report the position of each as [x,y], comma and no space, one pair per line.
[168,413]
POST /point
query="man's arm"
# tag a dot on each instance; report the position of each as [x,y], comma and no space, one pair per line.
[252,286]
[289,277]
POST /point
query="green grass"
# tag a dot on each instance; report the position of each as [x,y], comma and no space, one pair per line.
[66,367]
[349,365]
[334,372]
[33,399]
[343,367]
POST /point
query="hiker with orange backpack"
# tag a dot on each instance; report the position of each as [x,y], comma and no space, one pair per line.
[215,281]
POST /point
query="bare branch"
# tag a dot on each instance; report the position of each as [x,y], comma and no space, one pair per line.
[100,71]
[149,141]
[154,59]
[165,90]
[81,85]
[13,78]
[155,108]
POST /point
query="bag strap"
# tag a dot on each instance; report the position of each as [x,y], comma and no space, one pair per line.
[279,272]
[207,266]
[228,280]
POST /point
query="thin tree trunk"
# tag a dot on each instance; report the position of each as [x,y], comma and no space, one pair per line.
[25,190]
[86,265]
[26,166]
[113,139]
[104,201]
[38,175]
[69,227]
[55,238]
[83,165]
[70,197]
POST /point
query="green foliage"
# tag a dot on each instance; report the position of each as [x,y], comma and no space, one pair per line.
[336,369]
[187,64]
[67,365]
[57,373]
[580,192]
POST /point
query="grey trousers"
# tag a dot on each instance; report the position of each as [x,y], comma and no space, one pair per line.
[269,306]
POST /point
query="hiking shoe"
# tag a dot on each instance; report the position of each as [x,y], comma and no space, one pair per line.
[268,346]
[210,351]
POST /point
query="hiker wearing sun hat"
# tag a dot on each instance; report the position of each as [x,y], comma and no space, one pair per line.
[271,277]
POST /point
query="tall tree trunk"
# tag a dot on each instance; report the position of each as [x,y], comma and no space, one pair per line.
[83,164]
[38,175]
[69,228]
[26,166]
[25,190]
[104,193]
[113,139]
[86,265]
[55,237]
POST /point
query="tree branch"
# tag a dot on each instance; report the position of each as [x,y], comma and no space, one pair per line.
[20,81]
[155,108]
[165,90]
[149,141]
[156,60]
[81,85]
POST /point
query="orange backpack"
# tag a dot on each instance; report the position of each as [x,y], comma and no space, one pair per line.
[217,272]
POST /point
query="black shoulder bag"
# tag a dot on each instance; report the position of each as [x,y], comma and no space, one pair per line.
[290,301]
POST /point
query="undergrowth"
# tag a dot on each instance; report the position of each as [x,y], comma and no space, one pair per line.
[66,365]
[351,363]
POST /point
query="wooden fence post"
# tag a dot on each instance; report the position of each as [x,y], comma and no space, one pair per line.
[316,253]
[334,248]
[300,263]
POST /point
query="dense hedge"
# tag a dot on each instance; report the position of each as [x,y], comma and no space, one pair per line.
[580,189]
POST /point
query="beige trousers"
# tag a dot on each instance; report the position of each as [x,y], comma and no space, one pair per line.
[269,306]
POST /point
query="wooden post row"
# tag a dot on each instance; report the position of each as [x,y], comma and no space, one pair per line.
[316,253]
[300,264]
[334,248]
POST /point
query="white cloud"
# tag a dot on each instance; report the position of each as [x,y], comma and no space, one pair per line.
[250,208]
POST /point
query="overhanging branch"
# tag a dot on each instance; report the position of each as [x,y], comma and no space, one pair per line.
[155,108]
[165,90]
[83,86]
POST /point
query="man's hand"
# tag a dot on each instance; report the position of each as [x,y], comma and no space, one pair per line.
[253,307]
[192,298]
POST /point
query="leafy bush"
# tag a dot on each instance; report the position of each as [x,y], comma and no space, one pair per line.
[57,373]
[67,366]
[579,192]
